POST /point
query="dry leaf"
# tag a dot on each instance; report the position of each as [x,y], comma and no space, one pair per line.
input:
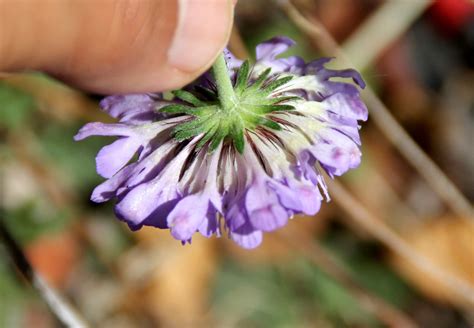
[178,287]
[449,243]
[54,256]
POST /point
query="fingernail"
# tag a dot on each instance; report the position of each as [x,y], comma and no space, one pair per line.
[202,30]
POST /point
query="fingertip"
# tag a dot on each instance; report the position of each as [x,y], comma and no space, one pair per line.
[143,46]
[202,31]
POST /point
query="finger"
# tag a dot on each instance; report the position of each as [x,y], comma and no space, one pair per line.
[117,46]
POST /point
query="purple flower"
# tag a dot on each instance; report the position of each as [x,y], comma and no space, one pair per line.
[196,164]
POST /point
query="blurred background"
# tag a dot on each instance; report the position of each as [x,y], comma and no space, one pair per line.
[388,251]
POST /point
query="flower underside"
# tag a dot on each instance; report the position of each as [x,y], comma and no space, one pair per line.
[239,151]
[250,108]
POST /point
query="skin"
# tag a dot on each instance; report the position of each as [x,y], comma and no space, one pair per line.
[114,46]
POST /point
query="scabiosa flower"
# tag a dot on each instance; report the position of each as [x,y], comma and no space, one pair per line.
[238,152]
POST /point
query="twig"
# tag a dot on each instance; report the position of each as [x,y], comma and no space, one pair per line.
[62,310]
[373,39]
[381,232]
[386,122]
[385,312]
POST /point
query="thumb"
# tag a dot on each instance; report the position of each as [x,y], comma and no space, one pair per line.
[115,46]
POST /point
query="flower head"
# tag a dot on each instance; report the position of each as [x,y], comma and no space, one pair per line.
[239,152]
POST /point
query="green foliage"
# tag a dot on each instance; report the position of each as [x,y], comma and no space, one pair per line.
[334,301]
[12,295]
[256,297]
[293,295]
[369,269]
[15,106]
[30,220]
[76,159]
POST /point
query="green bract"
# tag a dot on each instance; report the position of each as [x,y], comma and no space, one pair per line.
[226,114]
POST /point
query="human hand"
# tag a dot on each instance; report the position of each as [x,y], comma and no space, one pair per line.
[114,46]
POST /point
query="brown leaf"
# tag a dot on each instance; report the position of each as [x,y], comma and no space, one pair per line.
[178,287]
[449,243]
[54,256]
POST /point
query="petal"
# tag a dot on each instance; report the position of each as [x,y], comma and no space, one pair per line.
[293,64]
[315,66]
[108,189]
[336,152]
[113,157]
[231,61]
[131,175]
[119,106]
[268,50]
[236,217]
[286,196]
[269,217]
[349,127]
[347,73]
[103,129]
[150,166]
[306,167]
[249,240]
[347,105]
[148,201]
[264,209]
[309,196]
[210,225]
[307,83]
[185,219]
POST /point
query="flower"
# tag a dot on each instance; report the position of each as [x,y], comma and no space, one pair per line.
[238,152]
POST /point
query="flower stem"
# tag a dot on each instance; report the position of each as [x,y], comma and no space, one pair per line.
[225,89]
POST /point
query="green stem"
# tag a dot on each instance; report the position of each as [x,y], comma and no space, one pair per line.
[225,89]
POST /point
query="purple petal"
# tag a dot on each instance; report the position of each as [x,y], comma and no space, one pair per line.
[264,209]
[231,61]
[108,189]
[299,196]
[269,217]
[347,105]
[113,157]
[236,216]
[336,152]
[210,225]
[268,50]
[132,175]
[348,126]
[103,129]
[313,67]
[119,105]
[248,240]
[286,196]
[150,166]
[306,167]
[185,219]
[145,201]
[309,196]
[347,73]
[293,64]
